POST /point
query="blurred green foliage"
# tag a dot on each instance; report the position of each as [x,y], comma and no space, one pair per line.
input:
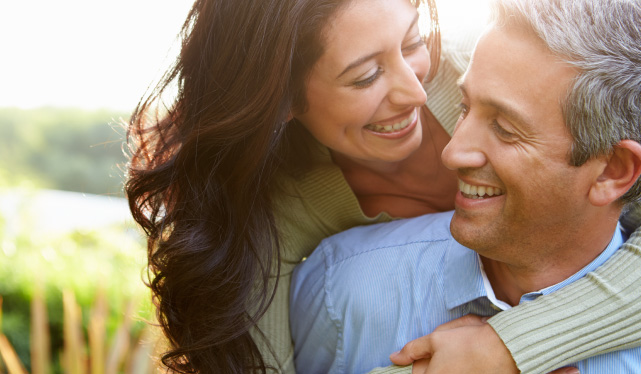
[63,149]
[73,150]
[110,258]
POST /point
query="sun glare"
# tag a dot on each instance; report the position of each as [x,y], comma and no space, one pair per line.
[89,54]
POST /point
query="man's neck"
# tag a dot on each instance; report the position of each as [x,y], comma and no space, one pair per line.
[511,281]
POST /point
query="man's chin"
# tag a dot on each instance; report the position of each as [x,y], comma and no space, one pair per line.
[468,233]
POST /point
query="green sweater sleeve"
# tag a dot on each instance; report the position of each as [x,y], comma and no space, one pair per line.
[393,370]
[594,315]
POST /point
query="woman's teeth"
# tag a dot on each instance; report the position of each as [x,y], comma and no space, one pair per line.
[394,127]
[478,192]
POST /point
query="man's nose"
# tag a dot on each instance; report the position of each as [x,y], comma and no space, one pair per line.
[466,148]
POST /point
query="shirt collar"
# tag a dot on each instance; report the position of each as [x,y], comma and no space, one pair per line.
[615,243]
[465,279]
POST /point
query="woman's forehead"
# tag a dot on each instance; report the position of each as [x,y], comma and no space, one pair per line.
[362,27]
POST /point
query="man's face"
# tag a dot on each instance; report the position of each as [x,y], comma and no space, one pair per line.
[510,151]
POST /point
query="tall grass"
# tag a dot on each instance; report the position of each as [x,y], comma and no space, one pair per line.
[128,352]
[74,300]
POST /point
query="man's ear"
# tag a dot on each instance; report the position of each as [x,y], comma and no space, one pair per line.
[621,171]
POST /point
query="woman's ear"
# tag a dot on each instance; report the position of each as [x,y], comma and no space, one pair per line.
[622,170]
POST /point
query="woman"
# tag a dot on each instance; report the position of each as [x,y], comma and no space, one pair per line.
[266,150]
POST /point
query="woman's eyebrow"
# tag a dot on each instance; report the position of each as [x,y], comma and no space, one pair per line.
[364,59]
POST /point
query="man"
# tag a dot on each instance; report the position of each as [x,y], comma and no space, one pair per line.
[548,153]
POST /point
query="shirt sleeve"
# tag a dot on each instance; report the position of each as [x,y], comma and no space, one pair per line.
[596,314]
[316,336]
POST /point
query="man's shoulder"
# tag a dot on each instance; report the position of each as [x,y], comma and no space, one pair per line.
[400,233]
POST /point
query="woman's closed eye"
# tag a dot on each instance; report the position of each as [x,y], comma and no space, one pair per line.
[364,83]
[414,46]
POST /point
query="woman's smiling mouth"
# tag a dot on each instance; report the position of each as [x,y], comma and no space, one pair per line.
[394,127]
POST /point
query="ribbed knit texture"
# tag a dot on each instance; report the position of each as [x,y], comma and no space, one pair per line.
[393,370]
[596,314]
[541,335]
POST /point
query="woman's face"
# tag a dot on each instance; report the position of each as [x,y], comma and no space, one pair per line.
[365,91]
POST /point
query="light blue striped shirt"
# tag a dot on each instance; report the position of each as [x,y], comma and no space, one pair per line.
[366,292]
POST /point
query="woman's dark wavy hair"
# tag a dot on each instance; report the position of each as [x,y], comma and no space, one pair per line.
[202,171]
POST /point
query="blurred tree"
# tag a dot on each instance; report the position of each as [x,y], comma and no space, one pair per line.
[62,148]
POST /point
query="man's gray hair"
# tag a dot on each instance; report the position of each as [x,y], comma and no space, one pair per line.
[602,39]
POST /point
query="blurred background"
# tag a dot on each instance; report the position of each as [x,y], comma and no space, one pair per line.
[71,260]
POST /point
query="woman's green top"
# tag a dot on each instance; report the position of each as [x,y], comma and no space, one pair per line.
[591,316]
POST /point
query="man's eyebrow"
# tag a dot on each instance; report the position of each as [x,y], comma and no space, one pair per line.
[364,59]
[501,107]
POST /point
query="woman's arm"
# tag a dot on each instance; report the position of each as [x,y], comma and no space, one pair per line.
[592,316]
[470,337]
[595,315]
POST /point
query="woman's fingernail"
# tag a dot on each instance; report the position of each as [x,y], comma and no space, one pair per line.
[572,370]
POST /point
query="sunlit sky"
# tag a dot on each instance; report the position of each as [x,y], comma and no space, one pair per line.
[104,54]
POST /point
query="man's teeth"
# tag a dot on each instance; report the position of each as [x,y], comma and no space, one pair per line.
[478,192]
[395,127]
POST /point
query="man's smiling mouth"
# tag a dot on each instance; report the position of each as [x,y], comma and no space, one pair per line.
[478,192]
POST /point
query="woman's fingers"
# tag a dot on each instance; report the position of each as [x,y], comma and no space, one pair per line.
[463,346]
[468,320]
[566,370]
[422,347]
[412,351]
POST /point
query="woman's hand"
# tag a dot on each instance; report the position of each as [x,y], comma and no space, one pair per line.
[464,345]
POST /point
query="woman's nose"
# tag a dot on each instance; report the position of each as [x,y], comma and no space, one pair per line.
[407,86]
